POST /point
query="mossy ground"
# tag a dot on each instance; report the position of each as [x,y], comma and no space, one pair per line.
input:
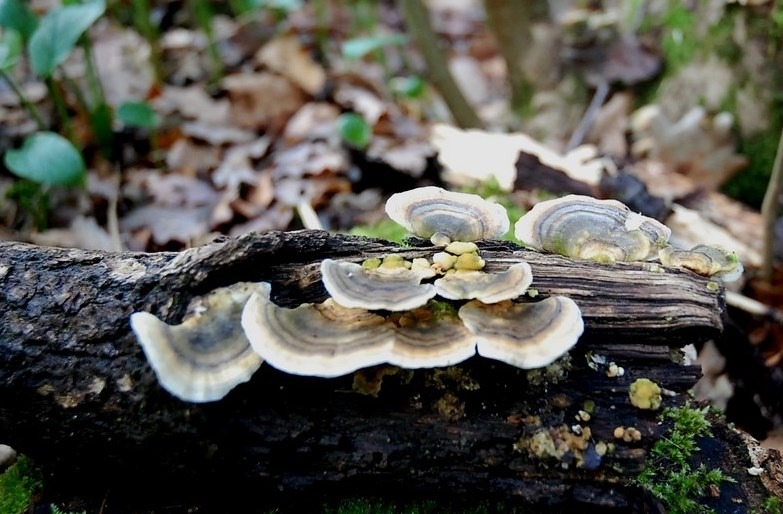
[18,484]
[672,473]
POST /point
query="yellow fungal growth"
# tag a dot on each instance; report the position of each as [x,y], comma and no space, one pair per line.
[371,263]
[460,248]
[562,443]
[645,394]
[632,434]
[619,432]
[394,262]
[601,448]
[450,407]
[469,261]
[369,381]
[420,264]
[442,262]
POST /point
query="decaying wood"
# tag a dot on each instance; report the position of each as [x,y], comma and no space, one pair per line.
[77,394]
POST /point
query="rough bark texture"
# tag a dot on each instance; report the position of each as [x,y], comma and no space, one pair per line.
[78,395]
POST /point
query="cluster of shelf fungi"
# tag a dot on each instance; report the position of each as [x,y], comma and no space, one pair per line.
[71,366]
[386,311]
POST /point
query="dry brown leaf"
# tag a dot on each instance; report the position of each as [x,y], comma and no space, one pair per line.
[314,190]
[611,124]
[236,167]
[278,217]
[166,224]
[409,156]
[194,103]
[123,63]
[174,190]
[262,100]
[84,233]
[217,134]
[310,159]
[360,100]
[190,158]
[697,145]
[286,56]
[315,120]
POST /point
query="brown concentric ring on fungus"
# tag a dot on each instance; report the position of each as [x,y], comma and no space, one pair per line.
[486,287]
[207,355]
[323,340]
[525,335]
[423,340]
[587,228]
[354,286]
[444,216]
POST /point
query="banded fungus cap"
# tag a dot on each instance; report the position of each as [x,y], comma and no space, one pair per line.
[207,355]
[323,340]
[444,216]
[525,335]
[486,287]
[709,261]
[425,340]
[354,286]
[587,228]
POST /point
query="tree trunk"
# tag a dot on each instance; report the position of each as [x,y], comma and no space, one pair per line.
[78,396]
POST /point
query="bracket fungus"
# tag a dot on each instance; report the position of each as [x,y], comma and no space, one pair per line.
[587,228]
[709,261]
[207,355]
[324,340]
[397,289]
[486,287]
[444,216]
[525,335]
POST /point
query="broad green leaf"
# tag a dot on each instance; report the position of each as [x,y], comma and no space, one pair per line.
[138,114]
[58,32]
[10,48]
[47,158]
[354,130]
[15,14]
[359,47]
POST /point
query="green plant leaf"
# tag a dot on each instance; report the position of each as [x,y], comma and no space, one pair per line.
[359,47]
[15,14]
[10,48]
[354,130]
[47,158]
[58,32]
[408,87]
[138,114]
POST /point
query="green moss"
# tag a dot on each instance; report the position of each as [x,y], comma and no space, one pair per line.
[750,184]
[18,485]
[384,229]
[772,505]
[669,474]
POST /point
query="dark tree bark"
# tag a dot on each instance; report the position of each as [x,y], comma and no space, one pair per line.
[77,394]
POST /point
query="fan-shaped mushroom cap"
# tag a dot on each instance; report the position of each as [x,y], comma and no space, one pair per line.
[323,340]
[399,289]
[586,228]
[525,335]
[710,261]
[444,216]
[423,340]
[486,287]
[207,355]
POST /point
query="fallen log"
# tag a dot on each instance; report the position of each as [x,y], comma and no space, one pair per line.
[78,395]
